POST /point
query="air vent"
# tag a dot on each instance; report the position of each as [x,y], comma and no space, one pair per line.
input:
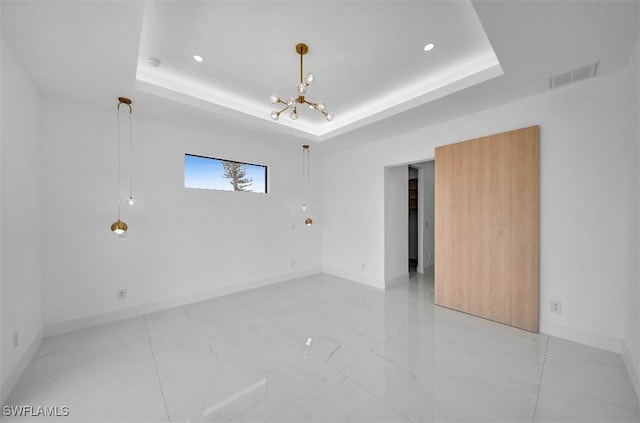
[585,72]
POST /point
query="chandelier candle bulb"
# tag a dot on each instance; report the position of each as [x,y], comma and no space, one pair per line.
[309,79]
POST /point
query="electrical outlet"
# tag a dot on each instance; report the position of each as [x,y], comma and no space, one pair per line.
[556,306]
[122,294]
[293,263]
[15,339]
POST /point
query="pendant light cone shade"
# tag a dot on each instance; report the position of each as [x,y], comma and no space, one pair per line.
[119,227]
[307,221]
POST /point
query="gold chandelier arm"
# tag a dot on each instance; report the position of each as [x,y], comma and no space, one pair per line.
[284,109]
[315,107]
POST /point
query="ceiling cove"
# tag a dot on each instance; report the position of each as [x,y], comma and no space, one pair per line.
[246,52]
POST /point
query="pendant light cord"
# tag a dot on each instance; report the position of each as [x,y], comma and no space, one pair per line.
[118,149]
[308,165]
[305,163]
[130,154]
[305,175]
[127,102]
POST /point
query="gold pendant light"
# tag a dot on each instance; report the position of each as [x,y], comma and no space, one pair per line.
[119,227]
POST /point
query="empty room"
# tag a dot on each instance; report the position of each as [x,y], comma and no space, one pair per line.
[320,211]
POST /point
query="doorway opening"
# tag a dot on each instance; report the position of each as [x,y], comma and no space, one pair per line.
[420,208]
[414,197]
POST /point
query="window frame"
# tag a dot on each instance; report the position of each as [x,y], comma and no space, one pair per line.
[266,173]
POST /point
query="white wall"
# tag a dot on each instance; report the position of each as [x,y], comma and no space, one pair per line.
[588,200]
[183,245]
[426,187]
[428,202]
[396,236]
[353,217]
[632,296]
[20,255]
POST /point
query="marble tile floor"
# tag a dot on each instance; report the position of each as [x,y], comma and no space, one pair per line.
[323,349]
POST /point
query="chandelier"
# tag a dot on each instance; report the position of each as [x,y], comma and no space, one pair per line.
[292,103]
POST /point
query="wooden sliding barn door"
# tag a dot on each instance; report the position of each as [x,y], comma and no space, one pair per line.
[486,227]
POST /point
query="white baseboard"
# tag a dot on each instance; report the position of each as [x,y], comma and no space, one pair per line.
[356,278]
[596,340]
[580,336]
[632,369]
[9,381]
[397,280]
[376,283]
[112,316]
[427,269]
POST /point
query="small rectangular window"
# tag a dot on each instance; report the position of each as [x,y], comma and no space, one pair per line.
[227,175]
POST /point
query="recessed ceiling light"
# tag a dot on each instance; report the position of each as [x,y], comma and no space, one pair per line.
[197,58]
[429,47]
